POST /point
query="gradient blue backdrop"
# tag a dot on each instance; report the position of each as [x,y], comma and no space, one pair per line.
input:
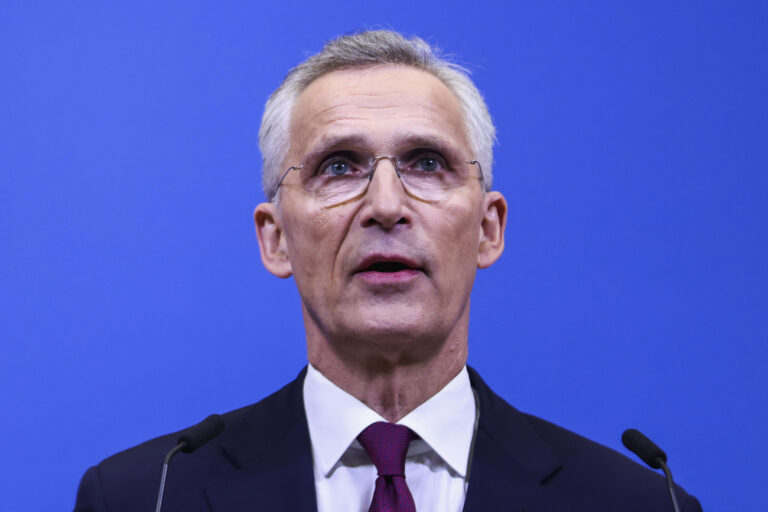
[632,150]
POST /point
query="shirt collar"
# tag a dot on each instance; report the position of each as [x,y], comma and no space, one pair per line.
[445,422]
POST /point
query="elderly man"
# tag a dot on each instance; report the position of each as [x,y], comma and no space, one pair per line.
[377,165]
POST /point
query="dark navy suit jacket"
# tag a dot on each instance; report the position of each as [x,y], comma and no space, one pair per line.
[263,461]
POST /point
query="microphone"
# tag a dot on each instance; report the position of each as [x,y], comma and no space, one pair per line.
[636,442]
[197,435]
[190,440]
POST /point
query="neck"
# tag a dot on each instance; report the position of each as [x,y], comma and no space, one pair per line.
[391,380]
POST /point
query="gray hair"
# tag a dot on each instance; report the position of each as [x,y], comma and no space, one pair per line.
[359,51]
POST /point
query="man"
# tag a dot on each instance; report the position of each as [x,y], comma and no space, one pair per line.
[377,165]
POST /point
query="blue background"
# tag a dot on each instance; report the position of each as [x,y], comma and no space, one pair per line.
[632,293]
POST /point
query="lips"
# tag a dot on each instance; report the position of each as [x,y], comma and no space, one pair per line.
[389,271]
[388,264]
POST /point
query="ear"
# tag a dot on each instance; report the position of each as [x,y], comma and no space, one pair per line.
[269,231]
[492,229]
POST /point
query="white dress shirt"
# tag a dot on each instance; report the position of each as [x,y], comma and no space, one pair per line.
[435,466]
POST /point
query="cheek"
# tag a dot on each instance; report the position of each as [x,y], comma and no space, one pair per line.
[458,239]
[311,240]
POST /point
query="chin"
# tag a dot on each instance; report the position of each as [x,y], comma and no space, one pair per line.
[390,320]
[417,337]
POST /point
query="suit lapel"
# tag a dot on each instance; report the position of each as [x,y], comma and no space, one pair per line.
[511,465]
[272,458]
[271,455]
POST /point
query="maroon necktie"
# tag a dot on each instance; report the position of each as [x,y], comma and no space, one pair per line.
[387,444]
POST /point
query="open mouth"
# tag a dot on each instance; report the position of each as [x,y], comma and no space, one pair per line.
[388,267]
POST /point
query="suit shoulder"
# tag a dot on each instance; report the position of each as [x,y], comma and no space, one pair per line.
[129,479]
[586,474]
[592,469]
[259,413]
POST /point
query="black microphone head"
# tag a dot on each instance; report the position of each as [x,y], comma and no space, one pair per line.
[197,435]
[637,443]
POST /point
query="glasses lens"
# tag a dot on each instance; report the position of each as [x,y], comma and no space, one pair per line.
[426,176]
[337,189]
[431,177]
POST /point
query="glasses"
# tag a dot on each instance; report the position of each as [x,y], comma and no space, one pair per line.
[345,175]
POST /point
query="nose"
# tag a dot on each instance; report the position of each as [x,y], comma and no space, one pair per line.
[385,202]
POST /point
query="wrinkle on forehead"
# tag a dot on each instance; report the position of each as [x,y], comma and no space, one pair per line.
[379,101]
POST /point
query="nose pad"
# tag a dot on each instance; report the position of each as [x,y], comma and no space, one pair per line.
[377,163]
[385,196]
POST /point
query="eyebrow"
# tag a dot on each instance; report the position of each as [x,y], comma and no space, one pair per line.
[336,142]
[406,140]
[414,140]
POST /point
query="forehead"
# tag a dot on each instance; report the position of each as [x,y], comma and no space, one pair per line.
[379,105]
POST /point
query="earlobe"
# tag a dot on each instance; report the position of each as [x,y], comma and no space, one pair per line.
[269,231]
[492,229]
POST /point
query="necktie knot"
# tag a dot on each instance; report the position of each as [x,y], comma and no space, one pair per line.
[387,445]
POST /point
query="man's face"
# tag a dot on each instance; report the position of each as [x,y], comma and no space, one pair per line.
[386,267]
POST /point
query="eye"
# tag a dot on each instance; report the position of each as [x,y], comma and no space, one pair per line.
[336,167]
[340,164]
[427,162]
